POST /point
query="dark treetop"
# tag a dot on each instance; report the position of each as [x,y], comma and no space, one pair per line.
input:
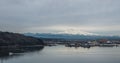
[9,38]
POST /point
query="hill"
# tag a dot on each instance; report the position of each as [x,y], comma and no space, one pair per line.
[9,38]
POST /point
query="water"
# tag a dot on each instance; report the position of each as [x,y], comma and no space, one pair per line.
[62,54]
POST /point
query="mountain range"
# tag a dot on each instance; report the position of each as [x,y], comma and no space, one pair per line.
[71,36]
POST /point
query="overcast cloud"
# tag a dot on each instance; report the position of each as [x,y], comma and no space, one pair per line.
[58,16]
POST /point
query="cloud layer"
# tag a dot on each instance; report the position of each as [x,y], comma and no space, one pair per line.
[93,16]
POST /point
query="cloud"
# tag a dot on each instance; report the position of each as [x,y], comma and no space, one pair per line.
[42,15]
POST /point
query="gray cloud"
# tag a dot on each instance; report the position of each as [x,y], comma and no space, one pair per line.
[38,15]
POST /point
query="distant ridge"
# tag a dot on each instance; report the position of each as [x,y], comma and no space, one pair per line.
[71,36]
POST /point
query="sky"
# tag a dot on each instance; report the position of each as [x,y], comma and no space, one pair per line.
[94,17]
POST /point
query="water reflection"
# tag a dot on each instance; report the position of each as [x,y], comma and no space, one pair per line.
[62,54]
[6,54]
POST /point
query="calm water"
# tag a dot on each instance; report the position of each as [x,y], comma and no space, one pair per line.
[62,54]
